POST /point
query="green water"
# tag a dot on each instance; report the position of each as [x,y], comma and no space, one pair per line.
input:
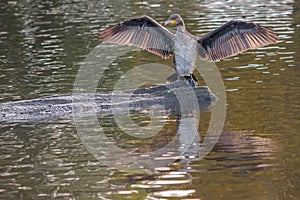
[42,46]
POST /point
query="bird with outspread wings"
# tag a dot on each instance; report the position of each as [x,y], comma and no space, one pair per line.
[228,40]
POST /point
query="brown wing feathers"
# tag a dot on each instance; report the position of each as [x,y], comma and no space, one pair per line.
[230,39]
[235,37]
[143,32]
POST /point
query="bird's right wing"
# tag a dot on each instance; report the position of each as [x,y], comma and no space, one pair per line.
[143,32]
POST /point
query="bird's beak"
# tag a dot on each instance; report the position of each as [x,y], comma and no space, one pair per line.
[170,21]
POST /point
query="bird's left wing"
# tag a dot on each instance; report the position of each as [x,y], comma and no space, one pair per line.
[143,32]
[234,37]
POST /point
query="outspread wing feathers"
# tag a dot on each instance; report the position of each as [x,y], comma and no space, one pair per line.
[230,39]
[234,37]
[143,32]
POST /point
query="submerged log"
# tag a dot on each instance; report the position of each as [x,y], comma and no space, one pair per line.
[173,98]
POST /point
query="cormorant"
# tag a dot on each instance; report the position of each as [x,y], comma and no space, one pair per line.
[229,39]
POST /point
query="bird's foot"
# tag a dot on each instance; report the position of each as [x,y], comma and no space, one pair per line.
[191,80]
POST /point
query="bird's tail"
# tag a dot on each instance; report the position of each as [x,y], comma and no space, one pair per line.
[191,79]
[173,78]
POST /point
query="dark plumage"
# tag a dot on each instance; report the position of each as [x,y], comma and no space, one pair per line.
[143,32]
[235,37]
[230,39]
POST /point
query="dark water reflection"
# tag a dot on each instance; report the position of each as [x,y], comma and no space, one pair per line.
[42,45]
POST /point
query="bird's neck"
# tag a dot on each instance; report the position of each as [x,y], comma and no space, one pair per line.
[180,27]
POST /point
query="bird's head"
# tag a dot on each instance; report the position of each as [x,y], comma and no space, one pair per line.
[174,19]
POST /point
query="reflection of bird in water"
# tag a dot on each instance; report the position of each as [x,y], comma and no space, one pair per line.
[230,39]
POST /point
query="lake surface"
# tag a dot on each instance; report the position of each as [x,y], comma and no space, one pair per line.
[43,44]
